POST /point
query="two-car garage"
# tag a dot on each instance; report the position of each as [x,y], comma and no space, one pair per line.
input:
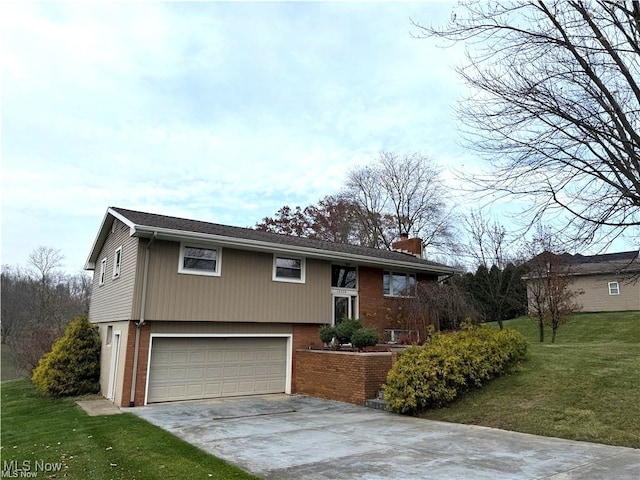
[197,367]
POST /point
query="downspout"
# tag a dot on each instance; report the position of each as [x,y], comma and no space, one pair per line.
[143,303]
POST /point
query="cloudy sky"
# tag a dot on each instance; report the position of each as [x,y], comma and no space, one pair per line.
[216,111]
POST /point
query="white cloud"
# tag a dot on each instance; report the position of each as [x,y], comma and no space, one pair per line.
[218,111]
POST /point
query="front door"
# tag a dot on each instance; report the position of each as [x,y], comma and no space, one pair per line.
[344,306]
[113,367]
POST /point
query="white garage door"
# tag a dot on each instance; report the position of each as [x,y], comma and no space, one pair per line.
[193,368]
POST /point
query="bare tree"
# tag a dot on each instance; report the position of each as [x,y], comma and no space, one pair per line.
[496,286]
[38,303]
[549,284]
[555,107]
[488,241]
[365,190]
[402,194]
[45,263]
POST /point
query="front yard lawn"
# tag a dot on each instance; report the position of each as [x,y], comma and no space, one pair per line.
[56,432]
[586,386]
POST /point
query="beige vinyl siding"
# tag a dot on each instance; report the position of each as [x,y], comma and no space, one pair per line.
[219,328]
[137,292]
[596,298]
[244,292]
[105,357]
[113,301]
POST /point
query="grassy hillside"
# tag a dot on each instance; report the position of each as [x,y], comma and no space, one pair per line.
[586,386]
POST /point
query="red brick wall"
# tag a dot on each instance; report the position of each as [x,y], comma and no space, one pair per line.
[128,366]
[379,311]
[372,307]
[304,337]
[143,355]
[143,358]
[411,245]
[344,376]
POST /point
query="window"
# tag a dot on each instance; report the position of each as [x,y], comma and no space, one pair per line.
[288,269]
[103,269]
[117,261]
[199,260]
[396,284]
[109,335]
[614,288]
[343,277]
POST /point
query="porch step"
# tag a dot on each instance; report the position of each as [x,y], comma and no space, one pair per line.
[376,403]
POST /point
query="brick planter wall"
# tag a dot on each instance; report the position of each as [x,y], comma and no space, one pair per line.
[344,376]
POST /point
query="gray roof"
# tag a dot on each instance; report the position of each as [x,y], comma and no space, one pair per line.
[612,263]
[143,221]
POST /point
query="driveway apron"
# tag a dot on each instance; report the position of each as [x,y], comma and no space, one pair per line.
[293,437]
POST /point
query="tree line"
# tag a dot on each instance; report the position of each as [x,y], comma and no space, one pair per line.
[38,302]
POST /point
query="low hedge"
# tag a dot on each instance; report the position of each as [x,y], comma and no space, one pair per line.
[449,365]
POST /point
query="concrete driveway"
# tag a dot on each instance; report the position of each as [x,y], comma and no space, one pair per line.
[294,437]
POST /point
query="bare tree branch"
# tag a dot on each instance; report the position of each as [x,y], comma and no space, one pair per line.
[555,107]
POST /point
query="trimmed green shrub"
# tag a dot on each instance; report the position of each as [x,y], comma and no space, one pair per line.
[364,337]
[449,365]
[327,332]
[72,367]
[345,329]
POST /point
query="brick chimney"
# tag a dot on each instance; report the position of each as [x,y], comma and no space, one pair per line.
[412,246]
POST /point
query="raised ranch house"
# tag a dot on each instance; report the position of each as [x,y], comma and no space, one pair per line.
[608,282]
[189,309]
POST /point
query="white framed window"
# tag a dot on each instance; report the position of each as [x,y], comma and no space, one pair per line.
[614,288]
[288,269]
[103,270]
[117,262]
[398,284]
[198,259]
[109,335]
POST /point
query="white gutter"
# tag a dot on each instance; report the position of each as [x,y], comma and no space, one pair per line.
[169,234]
[91,265]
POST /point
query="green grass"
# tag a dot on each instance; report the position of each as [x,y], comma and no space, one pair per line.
[124,446]
[586,386]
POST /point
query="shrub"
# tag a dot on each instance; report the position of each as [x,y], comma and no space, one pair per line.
[72,367]
[449,365]
[364,337]
[327,332]
[345,329]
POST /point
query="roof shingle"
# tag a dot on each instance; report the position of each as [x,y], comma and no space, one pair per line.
[186,225]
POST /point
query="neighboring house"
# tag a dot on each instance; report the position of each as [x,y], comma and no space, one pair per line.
[607,283]
[189,309]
